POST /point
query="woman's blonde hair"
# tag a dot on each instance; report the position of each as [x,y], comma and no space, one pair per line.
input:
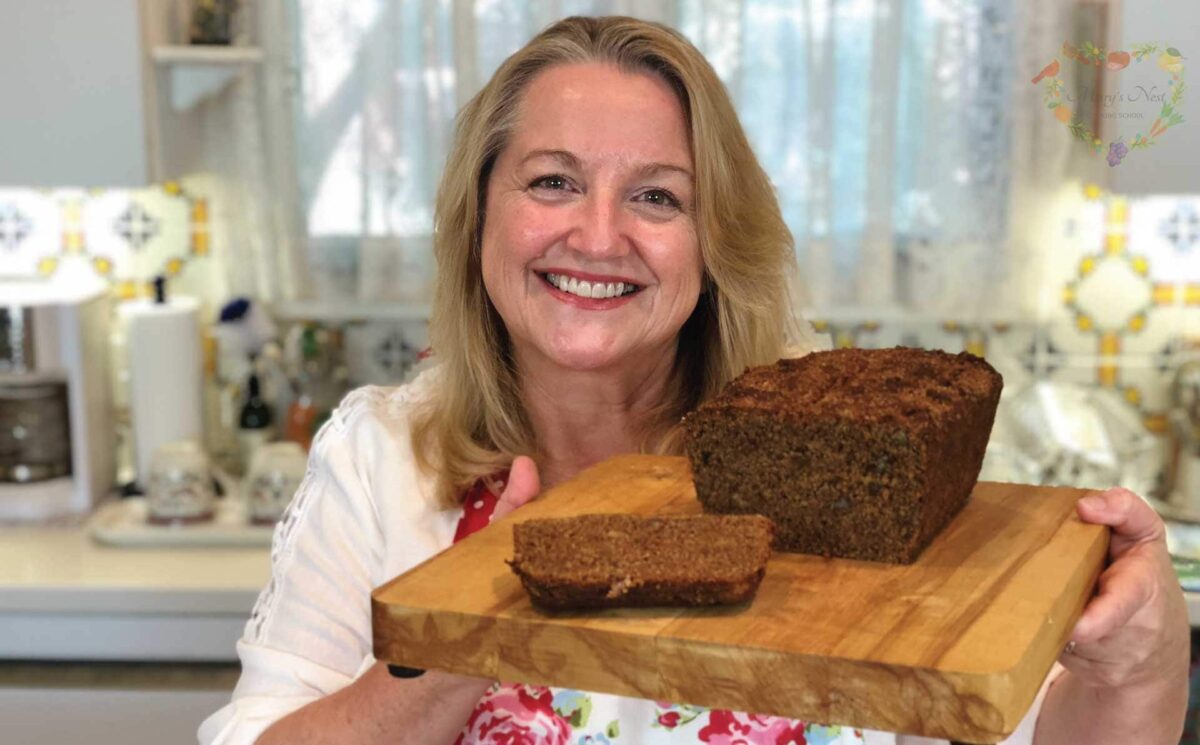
[475,423]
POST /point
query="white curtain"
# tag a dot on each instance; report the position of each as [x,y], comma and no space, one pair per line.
[896,132]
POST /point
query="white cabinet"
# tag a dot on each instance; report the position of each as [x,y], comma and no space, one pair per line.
[55,716]
[105,645]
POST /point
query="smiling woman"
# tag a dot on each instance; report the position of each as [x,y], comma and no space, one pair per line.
[610,254]
[608,154]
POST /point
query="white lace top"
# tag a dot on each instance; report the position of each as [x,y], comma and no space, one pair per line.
[363,515]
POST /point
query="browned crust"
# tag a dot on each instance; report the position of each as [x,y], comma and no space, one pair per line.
[862,454]
[550,595]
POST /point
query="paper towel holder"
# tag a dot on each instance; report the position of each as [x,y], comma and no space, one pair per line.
[163,343]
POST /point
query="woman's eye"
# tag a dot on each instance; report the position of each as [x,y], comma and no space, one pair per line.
[660,198]
[553,183]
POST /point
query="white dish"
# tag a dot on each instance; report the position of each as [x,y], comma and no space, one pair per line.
[123,523]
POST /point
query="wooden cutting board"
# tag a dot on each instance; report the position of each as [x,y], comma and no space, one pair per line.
[954,646]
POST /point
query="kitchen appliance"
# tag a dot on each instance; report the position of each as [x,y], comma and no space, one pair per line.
[56,422]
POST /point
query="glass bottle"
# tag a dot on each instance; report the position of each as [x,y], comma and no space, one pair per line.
[254,420]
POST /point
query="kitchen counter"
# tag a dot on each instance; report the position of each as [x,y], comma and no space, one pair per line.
[64,597]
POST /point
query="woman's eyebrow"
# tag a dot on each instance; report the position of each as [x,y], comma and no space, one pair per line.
[569,160]
[653,169]
[562,156]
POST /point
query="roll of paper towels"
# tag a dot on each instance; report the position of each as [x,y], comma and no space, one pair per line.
[165,375]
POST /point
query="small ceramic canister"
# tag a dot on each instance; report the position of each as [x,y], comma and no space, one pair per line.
[179,488]
[275,474]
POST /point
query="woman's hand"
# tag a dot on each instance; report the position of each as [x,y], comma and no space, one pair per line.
[1135,630]
[523,485]
[1128,662]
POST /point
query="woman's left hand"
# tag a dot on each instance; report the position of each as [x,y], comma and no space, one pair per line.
[1134,633]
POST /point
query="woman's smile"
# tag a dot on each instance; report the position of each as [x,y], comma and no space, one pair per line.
[588,291]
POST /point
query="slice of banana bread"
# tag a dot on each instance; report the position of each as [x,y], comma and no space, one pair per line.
[609,561]
[854,453]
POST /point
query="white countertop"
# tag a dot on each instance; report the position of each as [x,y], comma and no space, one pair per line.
[63,596]
[62,569]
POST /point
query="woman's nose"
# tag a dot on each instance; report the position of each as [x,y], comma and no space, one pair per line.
[598,231]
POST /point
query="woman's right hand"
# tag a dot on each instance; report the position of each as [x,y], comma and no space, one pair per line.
[523,485]
[377,707]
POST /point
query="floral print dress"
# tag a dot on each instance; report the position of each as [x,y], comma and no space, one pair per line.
[513,714]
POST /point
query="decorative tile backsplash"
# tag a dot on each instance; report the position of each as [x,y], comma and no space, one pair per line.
[1123,288]
[1124,311]
[125,236]
[1131,291]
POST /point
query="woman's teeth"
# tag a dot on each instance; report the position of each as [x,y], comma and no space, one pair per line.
[596,290]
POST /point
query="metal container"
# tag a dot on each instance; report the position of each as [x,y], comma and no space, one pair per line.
[35,429]
[16,340]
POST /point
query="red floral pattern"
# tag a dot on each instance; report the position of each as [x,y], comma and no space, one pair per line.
[736,728]
[515,715]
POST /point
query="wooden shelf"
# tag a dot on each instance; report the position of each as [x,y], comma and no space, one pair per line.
[197,72]
[206,55]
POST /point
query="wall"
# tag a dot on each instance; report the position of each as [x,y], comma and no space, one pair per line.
[70,73]
[1121,280]
[1172,166]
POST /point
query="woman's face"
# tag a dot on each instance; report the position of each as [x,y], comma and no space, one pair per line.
[590,252]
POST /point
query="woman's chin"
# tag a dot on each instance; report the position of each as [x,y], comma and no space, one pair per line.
[578,348]
[583,361]
[581,358]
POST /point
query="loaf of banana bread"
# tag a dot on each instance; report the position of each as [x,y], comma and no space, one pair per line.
[854,453]
[609,561]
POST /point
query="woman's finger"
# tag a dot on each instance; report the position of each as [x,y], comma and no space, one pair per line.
[1132,520]
[523,485]
[1125,587]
